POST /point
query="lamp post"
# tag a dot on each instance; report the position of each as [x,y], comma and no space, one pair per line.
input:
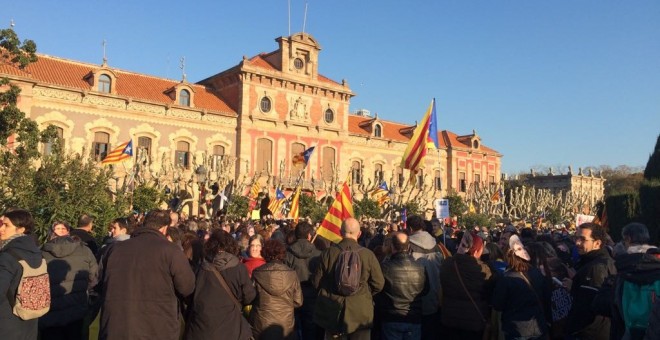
[200,173]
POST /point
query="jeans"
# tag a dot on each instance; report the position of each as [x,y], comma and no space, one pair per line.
[401,330]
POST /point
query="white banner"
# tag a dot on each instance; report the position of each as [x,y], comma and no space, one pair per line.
[441,208]
[579,219]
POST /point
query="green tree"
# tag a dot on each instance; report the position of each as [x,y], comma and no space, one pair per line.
[310,207]
[147,198]
[652,170]
[472,220]
[457,205]
[413,208]
[366,207]
[238,206]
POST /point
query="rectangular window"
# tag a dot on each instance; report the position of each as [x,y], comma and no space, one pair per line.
[48,146]
[378,173]
[437,181]
[101,145]
[144,145]
[399,176]
[420,179]
[216,157]
[182,155]
[264,154]
[477,180]
[328,163]
[491,181]
[462,186]
[357,172]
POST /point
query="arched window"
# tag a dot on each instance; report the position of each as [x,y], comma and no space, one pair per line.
[216,157]
[420,179]
[59,138]
[328,163]
[101,145]
[144,145]
[265,104]
[296,150]
[356,169]
[378,131]
[462,185]
[105,83]
[399,175]
[184,98]
[182,155]
[264,154]
[437,181]
[378,173]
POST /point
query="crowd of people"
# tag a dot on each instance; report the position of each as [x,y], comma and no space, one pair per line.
[158,276]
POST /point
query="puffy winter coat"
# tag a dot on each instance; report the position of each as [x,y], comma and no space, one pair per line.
[73,271]
[278,293]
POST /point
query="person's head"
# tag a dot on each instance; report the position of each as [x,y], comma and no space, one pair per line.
[400,243]
[274,250]
[255,246]
[471,244]
[503,242]
[157,220]
[59,228]
[415,223]
[219,241]
[589,237]
[350,228]
[121,226]
[494,252]
[174,218]
[85,222]
[16,221]
[635,234]
[303,231]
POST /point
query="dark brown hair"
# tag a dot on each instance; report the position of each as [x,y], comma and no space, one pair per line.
[218,241]
[21,219]
[273,250]
[516,263]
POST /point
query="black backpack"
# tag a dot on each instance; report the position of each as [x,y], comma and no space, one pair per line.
[348,269]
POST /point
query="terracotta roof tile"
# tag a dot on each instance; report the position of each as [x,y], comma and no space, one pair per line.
[357,125]
[71,74]
[261,61]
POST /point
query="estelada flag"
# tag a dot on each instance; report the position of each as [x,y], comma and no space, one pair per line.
[303,157]
[295,205]
[341,209]
[120,153]
[276,204]
[424,137]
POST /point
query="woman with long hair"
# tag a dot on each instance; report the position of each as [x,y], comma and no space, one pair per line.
[521,295]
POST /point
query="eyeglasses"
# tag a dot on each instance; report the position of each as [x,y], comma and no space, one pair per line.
[583,240]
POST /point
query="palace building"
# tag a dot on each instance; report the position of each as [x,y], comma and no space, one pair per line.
[258,114]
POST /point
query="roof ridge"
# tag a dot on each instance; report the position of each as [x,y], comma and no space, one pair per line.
[119,70]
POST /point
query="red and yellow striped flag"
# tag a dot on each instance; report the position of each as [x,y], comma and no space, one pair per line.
[425,136]
[254,191]
[120,153]
[341,209]
[294,213]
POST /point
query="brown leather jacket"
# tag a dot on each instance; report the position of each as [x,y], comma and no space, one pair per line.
[278,293]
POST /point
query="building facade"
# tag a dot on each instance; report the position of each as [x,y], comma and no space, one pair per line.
[244,124]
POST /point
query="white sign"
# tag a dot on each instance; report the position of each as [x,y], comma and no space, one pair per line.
[579,219]
[441,208]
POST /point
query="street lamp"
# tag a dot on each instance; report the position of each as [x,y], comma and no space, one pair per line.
[201,172]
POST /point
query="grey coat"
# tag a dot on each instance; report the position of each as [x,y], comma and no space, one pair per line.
[72,270]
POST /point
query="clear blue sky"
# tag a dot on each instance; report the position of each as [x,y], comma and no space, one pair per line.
[543,82]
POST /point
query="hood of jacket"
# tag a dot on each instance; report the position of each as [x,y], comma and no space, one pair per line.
[62,246]
[423,240]
[303,249]
[275,278]
[23,243]
[225,260]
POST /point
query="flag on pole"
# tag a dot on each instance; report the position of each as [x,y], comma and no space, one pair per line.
[497,196]
[382,192]
[424,137]
[276,203]
[341,209]
[120,153]
[254,191]
[294,213]
[303,157]
[471,209]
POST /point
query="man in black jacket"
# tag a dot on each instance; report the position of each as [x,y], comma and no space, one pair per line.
[303,257]
[594,266]
[400,302]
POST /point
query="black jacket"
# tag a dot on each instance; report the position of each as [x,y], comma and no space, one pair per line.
[522,305]
[86,238]
[213,314]
[593,269]
[303,257]
[406,284]
[11,326]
